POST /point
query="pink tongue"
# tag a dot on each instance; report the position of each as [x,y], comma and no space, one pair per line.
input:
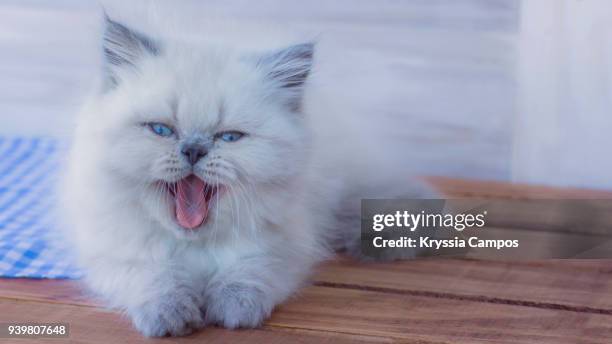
[191,205]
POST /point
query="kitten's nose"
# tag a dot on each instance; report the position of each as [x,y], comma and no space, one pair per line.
[194,152]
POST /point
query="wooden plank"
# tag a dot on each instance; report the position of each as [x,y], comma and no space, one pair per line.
[576,285]
[334,315]
[94,325]
[566,283]
[431,319]
[48,290]
[582,216]
[453,187]
[528,207]
[533,245]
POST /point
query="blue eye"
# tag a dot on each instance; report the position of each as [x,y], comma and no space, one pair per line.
[230,136]
[161,129]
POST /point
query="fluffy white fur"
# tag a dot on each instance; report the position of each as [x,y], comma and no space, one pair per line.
[285,183]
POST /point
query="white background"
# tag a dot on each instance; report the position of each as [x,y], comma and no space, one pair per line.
[494,89]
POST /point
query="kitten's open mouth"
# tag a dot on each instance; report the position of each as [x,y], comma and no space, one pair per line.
[192,197]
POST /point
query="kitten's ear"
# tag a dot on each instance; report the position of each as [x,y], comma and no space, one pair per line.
[288,69]
[123,48]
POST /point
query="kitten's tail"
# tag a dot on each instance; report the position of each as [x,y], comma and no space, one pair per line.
[347,215]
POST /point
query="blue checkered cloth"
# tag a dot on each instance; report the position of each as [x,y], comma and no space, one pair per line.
[30,245]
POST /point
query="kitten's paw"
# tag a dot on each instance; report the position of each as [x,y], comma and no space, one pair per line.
[237,305]
[175,314]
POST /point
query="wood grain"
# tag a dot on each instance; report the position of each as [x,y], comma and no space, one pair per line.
[465,188]
[95,325]
[49,291]
[431,319]
[332,314]
[581,286]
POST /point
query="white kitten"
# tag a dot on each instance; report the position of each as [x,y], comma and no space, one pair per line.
[197,191]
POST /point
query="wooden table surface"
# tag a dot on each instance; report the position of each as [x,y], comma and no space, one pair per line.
[420,301]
